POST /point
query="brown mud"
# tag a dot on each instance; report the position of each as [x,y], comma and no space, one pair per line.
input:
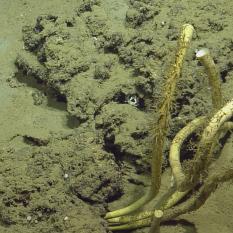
[80,83]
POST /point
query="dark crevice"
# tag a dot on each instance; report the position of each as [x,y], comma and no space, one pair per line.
[121,157]
[73,122]
[224,73]
[35,141]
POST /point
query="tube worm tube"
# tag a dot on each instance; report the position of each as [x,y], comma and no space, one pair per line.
[203,55]
[161,124]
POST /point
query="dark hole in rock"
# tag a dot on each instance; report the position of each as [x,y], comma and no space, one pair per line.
[69,24]
[120,97]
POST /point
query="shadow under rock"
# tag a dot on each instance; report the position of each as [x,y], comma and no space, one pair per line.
[51,97]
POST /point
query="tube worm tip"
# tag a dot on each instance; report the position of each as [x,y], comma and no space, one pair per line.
[202,52]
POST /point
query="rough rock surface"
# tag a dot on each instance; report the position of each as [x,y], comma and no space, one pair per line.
[99,65]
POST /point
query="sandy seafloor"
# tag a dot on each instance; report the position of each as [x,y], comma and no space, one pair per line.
[79,89]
